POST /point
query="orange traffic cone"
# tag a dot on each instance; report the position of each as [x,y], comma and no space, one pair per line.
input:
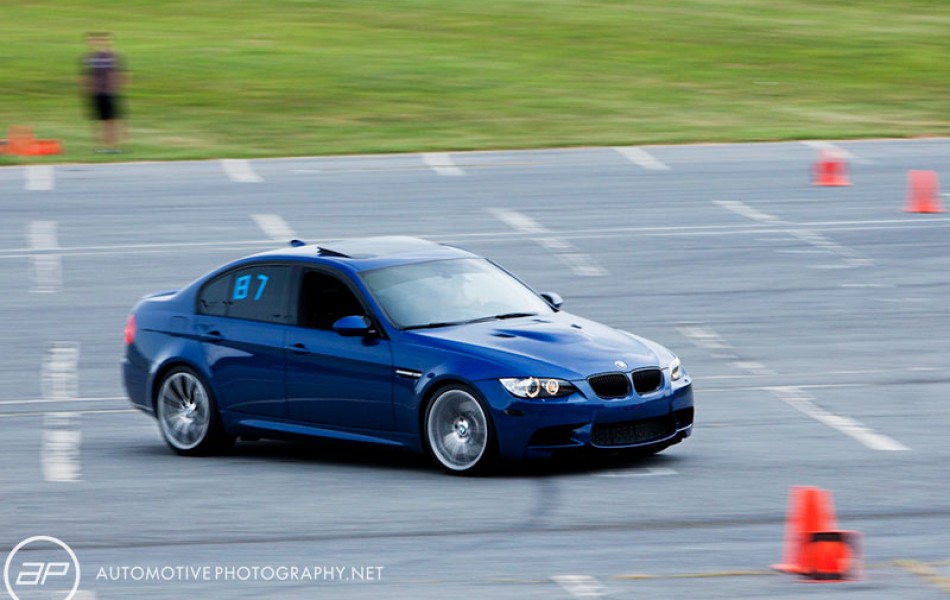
[814,547]
[831,170]
[809,510]
[923,195]
[832,556]
[45,148]
[21,142]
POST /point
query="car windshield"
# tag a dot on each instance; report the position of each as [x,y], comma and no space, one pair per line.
[451,292]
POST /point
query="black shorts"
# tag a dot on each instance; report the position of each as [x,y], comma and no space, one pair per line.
[105,107]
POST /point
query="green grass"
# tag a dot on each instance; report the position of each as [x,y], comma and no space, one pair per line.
[247,78]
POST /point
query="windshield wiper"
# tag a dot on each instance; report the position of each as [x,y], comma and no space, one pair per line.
[511,315]
[515,315]
[436,324]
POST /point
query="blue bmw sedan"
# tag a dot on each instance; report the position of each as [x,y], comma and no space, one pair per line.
[399,342]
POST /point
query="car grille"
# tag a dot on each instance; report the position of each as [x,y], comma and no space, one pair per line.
[610,385]
[647,381]
[632,432]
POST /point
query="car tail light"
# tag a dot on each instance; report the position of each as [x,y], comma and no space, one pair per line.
[130,330]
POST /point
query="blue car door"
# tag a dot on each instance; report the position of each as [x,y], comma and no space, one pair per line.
[243,320]
[331,379]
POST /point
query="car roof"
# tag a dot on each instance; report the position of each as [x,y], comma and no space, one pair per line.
[363,254]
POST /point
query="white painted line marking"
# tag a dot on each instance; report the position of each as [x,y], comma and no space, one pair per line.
[851,258]
[60,378]
[54,400]
[62,438]
[442,163]
[12,415]
[579,262]
[704,337]
[743,209]
[39,178]
[42,235]
[276,227]
[828,224]
[756,368]
[838,266]
[598,232]
[738,230]
[802,401]
[581,586]
[518,221]
[841,152]
[768,388]
[582,264]
[826,375]
[47,267]
[601,233]
[240,170]
[132,247]
[638,472]
[822,145]
[906,300]
[641,158]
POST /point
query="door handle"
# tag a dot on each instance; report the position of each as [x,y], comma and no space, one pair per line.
[298,348]
[211,336]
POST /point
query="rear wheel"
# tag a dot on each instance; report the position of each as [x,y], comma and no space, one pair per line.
[188,416]
[459,433]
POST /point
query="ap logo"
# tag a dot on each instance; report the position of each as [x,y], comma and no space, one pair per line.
[41,567]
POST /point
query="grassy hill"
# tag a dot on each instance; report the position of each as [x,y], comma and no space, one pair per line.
[249,78]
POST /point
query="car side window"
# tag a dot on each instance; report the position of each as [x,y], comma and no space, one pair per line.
[214,297]
[256,293]
[324,300]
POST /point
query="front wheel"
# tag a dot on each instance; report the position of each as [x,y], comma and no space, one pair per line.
[459,433]
[188,416]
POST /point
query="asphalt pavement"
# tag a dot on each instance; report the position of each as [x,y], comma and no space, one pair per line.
[814,321]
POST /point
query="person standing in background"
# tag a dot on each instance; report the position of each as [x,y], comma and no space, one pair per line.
[103,79]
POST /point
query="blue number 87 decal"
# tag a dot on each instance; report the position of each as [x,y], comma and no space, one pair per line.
[242,286]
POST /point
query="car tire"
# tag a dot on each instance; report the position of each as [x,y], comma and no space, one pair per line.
[188,415]
[458,431]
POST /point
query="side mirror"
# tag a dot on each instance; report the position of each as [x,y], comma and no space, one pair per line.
[553,299]
[353,326]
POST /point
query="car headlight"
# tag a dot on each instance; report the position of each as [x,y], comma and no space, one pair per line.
[676,370]
[535,387]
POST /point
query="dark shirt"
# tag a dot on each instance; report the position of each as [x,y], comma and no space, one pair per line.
[104,72]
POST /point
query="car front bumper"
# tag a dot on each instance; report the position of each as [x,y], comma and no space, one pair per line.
[539,428]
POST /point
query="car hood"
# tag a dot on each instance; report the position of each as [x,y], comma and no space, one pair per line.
[557,345]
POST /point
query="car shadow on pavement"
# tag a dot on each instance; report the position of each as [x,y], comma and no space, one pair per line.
[365,456]
[341,454]
[588,463]
[369,456]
